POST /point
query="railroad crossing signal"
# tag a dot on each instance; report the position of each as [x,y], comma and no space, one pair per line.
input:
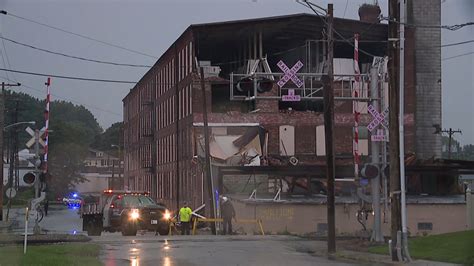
[379,118]
[290,74]
[31,142]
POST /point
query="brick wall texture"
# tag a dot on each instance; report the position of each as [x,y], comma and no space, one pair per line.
[428,75]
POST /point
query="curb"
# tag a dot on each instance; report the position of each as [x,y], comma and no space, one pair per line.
[42,239]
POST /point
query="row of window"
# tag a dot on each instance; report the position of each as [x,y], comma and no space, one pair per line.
[164,78]
[102,162]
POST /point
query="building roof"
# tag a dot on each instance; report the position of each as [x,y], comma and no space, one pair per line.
[281,32]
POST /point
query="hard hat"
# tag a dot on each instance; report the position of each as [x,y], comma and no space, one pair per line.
[224,199]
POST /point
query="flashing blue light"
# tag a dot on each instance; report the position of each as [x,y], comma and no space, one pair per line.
[74,195]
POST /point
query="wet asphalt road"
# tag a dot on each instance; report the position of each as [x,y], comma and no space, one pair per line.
[210,250]
[149,249]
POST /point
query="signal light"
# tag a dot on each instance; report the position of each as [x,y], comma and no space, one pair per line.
[264,85]
[369,171]
[29,178]
[246,85]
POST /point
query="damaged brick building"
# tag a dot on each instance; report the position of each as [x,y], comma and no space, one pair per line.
[249,123]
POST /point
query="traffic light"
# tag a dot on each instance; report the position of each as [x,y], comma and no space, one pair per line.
[369,171]
[29,178]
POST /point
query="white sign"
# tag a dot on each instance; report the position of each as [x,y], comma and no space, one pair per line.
[380,136]
[32,134]
[10,192]
[290,74]
[291,97]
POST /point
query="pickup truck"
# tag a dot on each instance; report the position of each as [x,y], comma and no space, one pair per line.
[124,211]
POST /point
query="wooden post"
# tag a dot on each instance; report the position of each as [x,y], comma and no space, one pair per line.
[328,96]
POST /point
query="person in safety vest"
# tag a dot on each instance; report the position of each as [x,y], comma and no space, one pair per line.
[185,218]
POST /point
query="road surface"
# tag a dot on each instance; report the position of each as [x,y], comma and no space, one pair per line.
[149,249]
[210,250]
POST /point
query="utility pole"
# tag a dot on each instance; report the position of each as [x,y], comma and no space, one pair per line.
[401,131]
[328,95]
[112,182]
[450,132]
[210,186]
[13,153]
[2,125]
[395,247]
[375,151]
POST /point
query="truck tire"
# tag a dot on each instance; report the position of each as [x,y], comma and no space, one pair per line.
[128,229]
[93,226]
[163,231]
[85,223]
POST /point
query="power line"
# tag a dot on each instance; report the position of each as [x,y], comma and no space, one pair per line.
[345,9]
[6,56]
[77,34]
[446,27]
[71,56]
[308,4]
[66,99]
[4,63]
[68,77]
[456,56]
[457,43]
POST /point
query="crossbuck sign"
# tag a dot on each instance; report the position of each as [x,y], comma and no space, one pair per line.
[290,74]
[32,134]
[379,119]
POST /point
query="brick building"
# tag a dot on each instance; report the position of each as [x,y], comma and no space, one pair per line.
[163,113]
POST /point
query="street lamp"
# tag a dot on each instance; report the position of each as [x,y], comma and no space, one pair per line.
[19,123]
[120,163]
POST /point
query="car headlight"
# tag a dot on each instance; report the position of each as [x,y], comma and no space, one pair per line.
[134,214]
[167,215]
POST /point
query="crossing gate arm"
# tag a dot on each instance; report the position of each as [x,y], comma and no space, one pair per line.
[220,220]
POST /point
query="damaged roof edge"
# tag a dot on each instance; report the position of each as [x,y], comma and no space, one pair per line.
[265,19]
[196,27]
[227,124]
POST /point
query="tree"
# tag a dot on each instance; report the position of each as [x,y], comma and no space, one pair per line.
[111,136]
[468,152]
[74,129]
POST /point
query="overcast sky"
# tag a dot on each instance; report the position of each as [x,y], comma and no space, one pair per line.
[151,26]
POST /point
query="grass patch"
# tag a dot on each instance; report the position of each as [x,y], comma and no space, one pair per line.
[455,247]
[54,254]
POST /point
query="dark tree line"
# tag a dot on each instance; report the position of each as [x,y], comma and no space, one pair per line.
[74,129]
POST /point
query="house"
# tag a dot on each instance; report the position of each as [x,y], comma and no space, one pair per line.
[101,171]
